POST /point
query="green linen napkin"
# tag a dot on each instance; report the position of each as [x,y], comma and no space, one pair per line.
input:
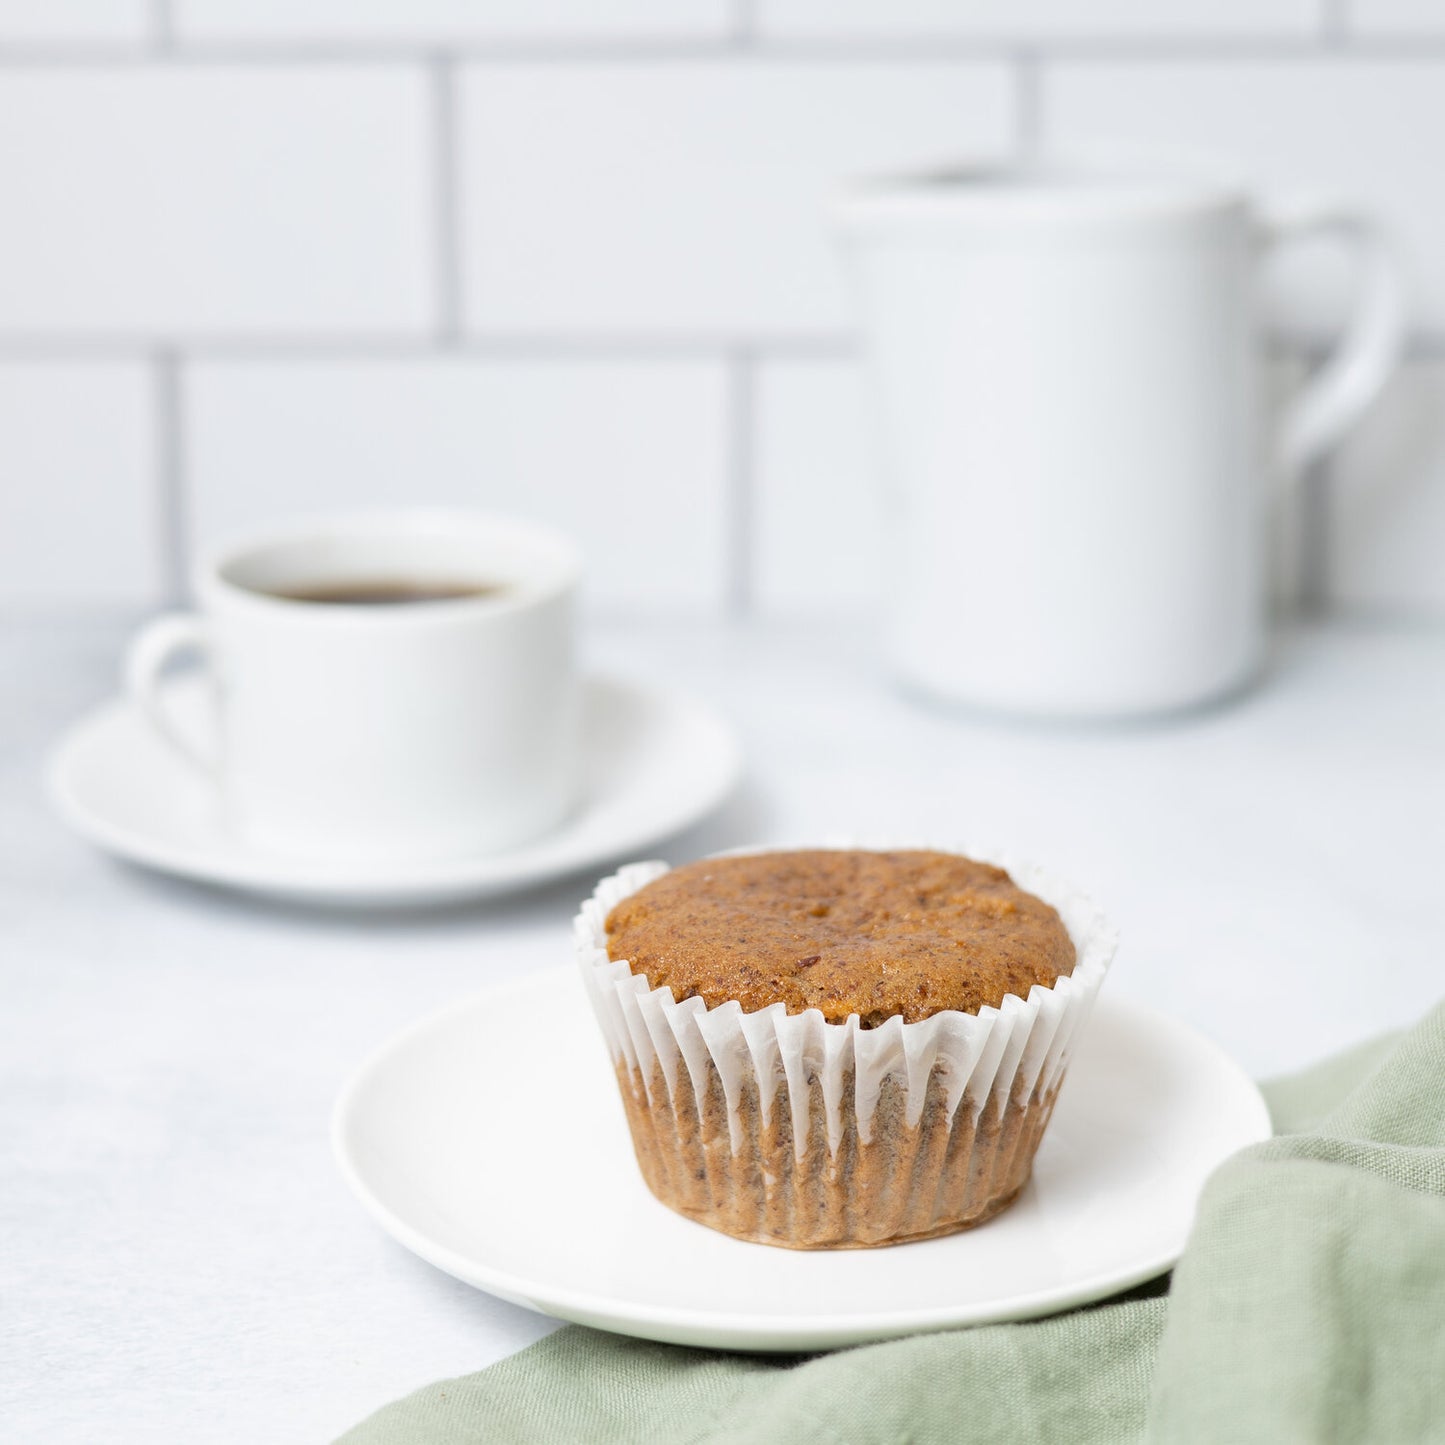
[1309,1306]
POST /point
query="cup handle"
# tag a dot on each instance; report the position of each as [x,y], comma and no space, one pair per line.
[150,650]
[1354,372]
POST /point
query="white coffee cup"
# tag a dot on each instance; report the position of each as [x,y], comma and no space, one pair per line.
[389,730]
[1068,366]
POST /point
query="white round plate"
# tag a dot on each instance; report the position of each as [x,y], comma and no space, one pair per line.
[653,763]
[473,1148]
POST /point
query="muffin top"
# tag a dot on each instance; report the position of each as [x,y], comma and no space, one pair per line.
[842,930]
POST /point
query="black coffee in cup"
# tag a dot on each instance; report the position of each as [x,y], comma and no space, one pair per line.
[385,592]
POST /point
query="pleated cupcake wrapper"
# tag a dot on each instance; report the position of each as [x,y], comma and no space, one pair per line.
[1019,1049]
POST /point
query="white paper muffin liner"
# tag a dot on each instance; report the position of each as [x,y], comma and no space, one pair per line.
[1017,1051]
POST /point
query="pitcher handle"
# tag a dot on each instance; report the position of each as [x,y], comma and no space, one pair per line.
[1368,349]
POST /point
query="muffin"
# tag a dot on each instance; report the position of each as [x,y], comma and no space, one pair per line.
[837,1048]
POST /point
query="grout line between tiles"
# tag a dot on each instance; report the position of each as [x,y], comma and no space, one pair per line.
[1334,23]
[446,215]
[173,520]
[743,24]
[738,43]
[1102,50]
[741,518]
[1423,346]
[1028,122]
[543,348]
[539,349]
[163,26]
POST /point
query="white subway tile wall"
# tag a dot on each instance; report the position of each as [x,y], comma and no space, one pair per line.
[80,503]
[166,201]
[1041,19]
[572,259]
[1354,130]
[432,22]
[89,22]
[818,503]
[1396,17]
[690,198]
[630,456]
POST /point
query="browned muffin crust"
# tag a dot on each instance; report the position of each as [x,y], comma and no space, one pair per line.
[844,931]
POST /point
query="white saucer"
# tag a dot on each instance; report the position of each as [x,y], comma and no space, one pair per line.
[515,1173]
[653,763]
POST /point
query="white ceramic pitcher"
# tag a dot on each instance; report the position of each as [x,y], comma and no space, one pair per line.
[1067,364]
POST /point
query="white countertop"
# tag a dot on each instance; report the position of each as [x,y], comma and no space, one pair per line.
[178,1257]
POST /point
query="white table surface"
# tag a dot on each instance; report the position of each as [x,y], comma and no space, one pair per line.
[178,1258]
